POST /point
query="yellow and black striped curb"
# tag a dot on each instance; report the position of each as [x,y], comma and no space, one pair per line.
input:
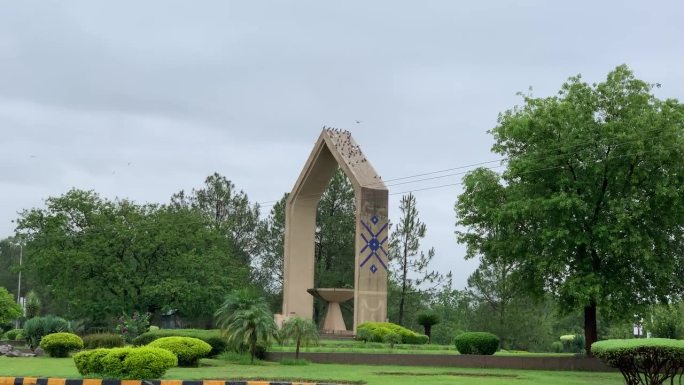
[97,381]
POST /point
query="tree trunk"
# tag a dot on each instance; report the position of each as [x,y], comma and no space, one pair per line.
[297,349]
[590,329]
[428,332]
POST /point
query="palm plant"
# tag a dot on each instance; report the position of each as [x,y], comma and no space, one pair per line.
[428,319]
[244,318]
[302,331]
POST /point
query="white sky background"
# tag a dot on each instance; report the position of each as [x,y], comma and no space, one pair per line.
[181,89]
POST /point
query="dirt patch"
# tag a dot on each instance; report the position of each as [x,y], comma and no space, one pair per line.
[457,374]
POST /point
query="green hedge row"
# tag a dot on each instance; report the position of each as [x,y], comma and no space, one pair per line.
[384,331]
[125,363]
[103,340]
[212,337]
[477,343]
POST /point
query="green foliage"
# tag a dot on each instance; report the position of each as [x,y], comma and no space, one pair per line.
[59,345]
[667,321]
[409,263]
[557,347]
[212,337]
[591,194]
[33,304]
[334,240]
[188,350]
[244,318]
[38,327]
[364,335]
[651,361]
[13,334]
[126,363]
[391,339]
[89,362]
[428,319]
[271,238]
[477,343]
[103,340]
[126,256]
[301,331]
[131,326]
[376,331]
[9,309]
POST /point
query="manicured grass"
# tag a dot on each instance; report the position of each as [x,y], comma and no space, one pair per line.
[350,346]
[372,375]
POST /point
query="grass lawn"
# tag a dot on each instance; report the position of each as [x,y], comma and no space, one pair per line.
[372,375]
[350,346]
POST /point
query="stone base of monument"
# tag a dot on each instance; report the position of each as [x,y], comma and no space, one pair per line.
[334,323]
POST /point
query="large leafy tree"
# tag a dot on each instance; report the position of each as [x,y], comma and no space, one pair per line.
[410,264]
[99,257]
[591,203]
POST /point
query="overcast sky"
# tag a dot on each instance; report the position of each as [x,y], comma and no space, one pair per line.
[140,99]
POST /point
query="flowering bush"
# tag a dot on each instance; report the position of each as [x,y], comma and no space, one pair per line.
[134,325]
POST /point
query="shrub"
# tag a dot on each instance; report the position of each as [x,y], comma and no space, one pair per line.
[391,339]
[363,335]
[37,327]
[103,340]
[375,332]
[667,321]
[651,361]
[557,347]
[134,325]
[572,343]
[90,361]
[12,334]
[212,337]
[477,343]
[61,344]
[128,363]
[188,350]
[148,362]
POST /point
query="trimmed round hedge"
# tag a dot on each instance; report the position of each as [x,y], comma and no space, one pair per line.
[12,335]
[477,343]
[376,332]
[61,344]
[656,360]
[212,337]
[126,363]
[188,350]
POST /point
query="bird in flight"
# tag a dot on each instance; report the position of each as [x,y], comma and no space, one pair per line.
[358,121]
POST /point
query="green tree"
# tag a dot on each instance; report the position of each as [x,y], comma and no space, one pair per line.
[9,308]
[244,318]
[228,210]
[126,257]
[271,240]
[334,249]
[667,321]
[301,331]
[590,205]
[409,263]
[428,319]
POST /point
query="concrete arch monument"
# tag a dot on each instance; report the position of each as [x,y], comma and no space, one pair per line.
[332,149]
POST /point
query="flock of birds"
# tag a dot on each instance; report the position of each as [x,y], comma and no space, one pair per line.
[347,147]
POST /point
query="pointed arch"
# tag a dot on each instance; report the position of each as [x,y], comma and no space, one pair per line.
[332,149]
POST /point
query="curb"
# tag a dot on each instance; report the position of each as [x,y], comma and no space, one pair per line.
[97,381]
